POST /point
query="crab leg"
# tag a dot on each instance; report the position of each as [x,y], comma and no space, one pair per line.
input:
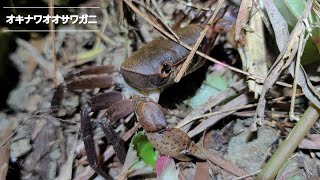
[116,142]
[87,131]
[90,82]
[87,78]
[116,108]
[94,70]
[117,111]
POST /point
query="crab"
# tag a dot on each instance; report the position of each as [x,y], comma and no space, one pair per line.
[148,71]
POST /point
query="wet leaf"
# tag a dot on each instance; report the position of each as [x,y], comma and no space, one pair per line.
[166,169]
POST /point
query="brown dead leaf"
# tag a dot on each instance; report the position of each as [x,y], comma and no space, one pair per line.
[66,168]
[243,17]
[256,55]
[43,160]
[202,168]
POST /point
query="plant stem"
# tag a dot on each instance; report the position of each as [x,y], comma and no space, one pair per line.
[287,147]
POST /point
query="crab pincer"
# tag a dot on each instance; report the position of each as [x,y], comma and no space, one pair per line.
[168,141]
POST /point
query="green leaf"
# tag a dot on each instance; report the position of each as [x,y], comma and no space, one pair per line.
[292,10]
[213,84]
[144,149]
[217,81]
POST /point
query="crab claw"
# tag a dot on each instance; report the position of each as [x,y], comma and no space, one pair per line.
[150,115]
[168,141]
[173,142]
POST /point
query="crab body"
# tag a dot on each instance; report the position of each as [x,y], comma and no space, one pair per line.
[154,65]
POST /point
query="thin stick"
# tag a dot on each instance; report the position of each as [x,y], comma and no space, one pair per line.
[197,44]
[159,28]
[183,123]
[284,97]
[294,88]
[54,59]
[253,76]
[156,6]
[248,175]
[158,19]
[6,140]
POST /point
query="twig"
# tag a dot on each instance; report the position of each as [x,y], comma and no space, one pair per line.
[189,4]
[158,19]
[189,120]
[156,6]
[103,37]
[253,76]
[283,60]
[13,133]
[197,44]
[272,114]
[103,27]
[295,81]
[284,97]
[213,101]
[248,175]
[53,41]
[240,100]
[183,123]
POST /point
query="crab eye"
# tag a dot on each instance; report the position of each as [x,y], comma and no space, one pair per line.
[165,69]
